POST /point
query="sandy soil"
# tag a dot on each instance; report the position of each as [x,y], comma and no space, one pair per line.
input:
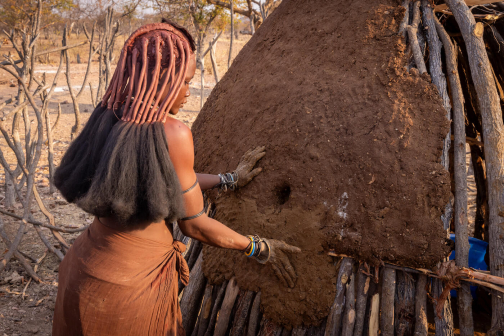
[28,309]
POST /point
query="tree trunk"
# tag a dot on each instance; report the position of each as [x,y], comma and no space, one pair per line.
[493,129]
[214,63]
[10,191]
[387,302]
[404,304]
[421,327]
[334,319]
[460,173]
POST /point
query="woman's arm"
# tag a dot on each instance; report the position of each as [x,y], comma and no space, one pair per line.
[245,171]
[208,181]
[202,228]
[210,231]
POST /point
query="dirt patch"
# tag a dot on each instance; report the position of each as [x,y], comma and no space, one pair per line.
[353,147]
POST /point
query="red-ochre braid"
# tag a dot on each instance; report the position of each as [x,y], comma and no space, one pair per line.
[150,52]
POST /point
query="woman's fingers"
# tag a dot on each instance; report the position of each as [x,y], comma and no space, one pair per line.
[289,269]
[289,248]
[279,274]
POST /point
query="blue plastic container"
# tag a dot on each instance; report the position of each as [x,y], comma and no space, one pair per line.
[477,251]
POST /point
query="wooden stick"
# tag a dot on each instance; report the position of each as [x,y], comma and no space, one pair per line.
[299,331]
[334,319]
[37,223]
[216,308]
[349,316]
[254,316]
[206,310]
[404,22]
[241,315]
[412,33]
[404,304]
[493,128]
[374,315]
[361,301]
[193,294]
[460,173]
[421,327]
[18,255]
[387,302]
[232,291]
[270,329]
[444,323]
[12,247]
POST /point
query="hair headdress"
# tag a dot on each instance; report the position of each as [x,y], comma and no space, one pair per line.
[139,80]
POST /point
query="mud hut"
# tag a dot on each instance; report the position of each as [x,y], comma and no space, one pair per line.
[365,112]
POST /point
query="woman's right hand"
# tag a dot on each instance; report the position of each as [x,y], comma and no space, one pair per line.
[274,251]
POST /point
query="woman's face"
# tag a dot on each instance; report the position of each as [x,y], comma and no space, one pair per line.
[184,93]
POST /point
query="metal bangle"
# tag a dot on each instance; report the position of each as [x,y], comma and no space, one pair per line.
[269,251]
[195,216]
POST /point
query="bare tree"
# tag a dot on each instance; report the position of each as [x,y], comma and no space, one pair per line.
[75,97]
[28,154]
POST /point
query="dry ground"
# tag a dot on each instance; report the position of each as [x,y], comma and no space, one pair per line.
[28,310]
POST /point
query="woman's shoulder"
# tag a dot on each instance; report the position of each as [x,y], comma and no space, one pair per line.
[177,132]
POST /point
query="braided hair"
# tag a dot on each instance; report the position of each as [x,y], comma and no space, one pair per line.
[119,165]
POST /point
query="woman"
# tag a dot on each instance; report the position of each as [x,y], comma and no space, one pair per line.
[132,167]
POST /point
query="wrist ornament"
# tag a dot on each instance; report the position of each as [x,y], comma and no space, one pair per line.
[228,181]
[257,248]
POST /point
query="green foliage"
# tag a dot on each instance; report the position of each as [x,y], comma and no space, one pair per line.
[18,13]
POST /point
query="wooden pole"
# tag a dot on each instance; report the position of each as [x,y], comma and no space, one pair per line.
[349,316]
[270,329]
[242,313]
[361,301]
[232,33]
[444,323]
[421,327]
[493,129]
[404,304]
[206,310]
[460,169]
[412,33]
[334,319]
[216,308]
[254,316]
[374,314]
[193,294]
[232,291]
[387,302]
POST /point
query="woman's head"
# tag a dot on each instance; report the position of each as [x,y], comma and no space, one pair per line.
[153,68]
[120,165]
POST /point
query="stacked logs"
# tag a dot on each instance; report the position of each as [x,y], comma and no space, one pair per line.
[463,52]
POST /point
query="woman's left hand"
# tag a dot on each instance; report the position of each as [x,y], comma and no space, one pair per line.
[245,169]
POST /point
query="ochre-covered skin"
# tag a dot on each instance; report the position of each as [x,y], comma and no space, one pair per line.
[353,146]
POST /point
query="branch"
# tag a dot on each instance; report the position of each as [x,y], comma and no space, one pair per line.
[214,40]
[48,52]
[247,13]
[52,227]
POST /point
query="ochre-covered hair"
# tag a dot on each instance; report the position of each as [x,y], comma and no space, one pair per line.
[136,80]
[119,165]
